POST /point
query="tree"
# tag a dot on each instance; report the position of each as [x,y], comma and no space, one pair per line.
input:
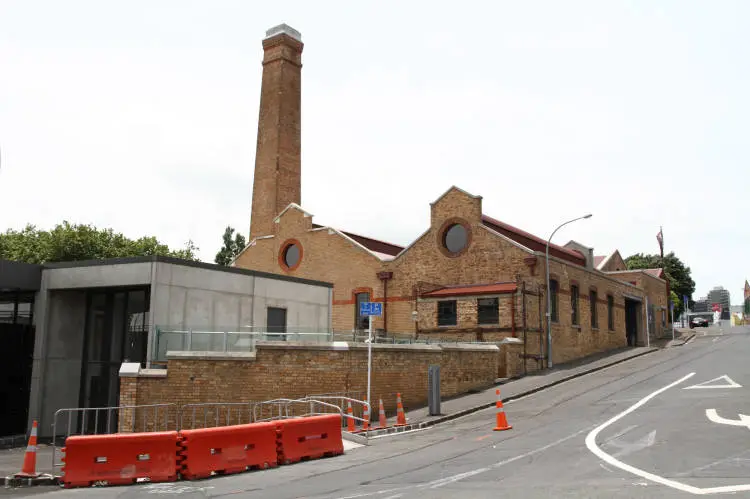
[71,242]
[231,248]
[678,275]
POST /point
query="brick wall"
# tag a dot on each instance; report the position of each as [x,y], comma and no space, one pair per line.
[656,290]
[296,370]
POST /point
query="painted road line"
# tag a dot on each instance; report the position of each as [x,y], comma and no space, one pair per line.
[726,382]
[591,444]
[441,482]
[712,415]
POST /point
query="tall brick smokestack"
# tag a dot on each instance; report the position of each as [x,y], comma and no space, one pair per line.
[277,180]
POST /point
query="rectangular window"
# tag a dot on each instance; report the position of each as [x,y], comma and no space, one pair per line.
[361,321]
[611,312]
[574,304]
[553,287]
[592,304]
[488,311]
[276,323]
[447,315]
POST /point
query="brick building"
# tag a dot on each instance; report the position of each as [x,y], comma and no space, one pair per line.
[468,276]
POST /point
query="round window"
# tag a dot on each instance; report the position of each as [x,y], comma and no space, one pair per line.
[291,256]
[455,238]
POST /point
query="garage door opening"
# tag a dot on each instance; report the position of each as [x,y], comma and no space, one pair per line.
[632,321]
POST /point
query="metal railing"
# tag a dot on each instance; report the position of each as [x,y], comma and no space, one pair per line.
[217,413]
[153,417]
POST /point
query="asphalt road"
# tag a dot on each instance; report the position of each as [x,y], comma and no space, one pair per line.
[632,430]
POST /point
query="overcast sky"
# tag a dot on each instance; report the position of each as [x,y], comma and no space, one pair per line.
[142,116]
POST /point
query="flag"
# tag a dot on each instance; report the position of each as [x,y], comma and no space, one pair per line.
[660,238]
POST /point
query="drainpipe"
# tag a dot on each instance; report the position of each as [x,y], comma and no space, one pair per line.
[385,277]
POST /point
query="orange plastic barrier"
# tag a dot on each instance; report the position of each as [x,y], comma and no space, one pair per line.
[310,438]
[120,459]
[228,449]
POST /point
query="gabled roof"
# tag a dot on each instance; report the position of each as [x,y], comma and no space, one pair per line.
[655,272]
[533,242]
[598,260]
[473,290]
[374,245]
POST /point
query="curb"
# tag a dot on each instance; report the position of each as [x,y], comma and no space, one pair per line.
[465,412]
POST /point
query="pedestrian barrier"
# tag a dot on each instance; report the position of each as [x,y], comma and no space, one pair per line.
[227,450]
[215,414]
[120,459]
[310,438]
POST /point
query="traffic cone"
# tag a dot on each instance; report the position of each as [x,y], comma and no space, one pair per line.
[502,422]
[29,458]
[366,417]
[349,420]
[381,415]
[400,416]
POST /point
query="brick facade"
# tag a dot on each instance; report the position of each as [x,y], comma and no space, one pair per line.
[495,253]
[283,370]
[278,149]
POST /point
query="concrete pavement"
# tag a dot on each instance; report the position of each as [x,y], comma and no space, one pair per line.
[656,434]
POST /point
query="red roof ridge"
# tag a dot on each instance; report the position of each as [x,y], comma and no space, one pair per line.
[370,243]
[580,258]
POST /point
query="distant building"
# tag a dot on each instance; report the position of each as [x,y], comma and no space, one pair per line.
[701,305]
[721,296]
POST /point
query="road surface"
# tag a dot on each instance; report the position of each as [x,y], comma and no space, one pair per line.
[666,424]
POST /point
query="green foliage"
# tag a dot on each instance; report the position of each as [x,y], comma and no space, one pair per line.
[678,275]
[231,247]
[747,306]
[71,242]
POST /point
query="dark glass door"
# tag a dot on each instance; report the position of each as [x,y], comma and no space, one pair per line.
[116,332]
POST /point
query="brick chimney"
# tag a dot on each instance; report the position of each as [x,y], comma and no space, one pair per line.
[277,181]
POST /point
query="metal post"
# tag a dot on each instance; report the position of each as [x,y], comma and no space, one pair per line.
[369,361]
[549,297]
[648,325]
[189,340]
[672,310]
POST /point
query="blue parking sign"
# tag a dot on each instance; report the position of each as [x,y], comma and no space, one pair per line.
[370,308]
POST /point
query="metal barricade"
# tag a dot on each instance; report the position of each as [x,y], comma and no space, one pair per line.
[107,420]
[360,406]
[219,413]
[276,408]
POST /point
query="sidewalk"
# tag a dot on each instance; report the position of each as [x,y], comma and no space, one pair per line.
[515,388]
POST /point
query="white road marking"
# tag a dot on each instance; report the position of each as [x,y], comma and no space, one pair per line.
[640,444]
[454,478]
[728,383]
[591,444]
[712,415]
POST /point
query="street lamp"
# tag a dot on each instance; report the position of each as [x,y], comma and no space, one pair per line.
[549,295]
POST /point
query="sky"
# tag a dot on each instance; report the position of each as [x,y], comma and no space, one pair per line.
[142,116]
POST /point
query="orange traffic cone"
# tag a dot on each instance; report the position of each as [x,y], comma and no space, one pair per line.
[502,422]
[400,416]
[350,419]
[366,417]
[381,415]
[29,458]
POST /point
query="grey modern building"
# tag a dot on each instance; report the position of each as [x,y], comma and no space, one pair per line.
[82,320]
[720,296]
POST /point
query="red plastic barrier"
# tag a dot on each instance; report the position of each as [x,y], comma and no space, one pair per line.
[228,449]
[120,459]
[310,438]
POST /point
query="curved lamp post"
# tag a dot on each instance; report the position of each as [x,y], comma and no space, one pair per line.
[549,295]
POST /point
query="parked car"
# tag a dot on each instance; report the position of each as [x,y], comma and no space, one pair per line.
[698,322]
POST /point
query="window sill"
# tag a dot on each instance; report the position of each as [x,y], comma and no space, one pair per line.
[447,326]
[576,326]
[596,329]
[489,324]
